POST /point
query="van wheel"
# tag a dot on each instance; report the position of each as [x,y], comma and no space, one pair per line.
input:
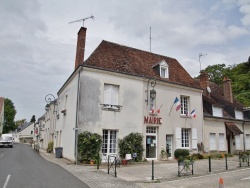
[11,146]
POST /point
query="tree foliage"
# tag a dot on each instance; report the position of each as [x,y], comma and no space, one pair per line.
[33,119]
[9,116]
[240,76]
[20,122]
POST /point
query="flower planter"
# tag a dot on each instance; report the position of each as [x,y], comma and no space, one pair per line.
[124,162]
[92,162]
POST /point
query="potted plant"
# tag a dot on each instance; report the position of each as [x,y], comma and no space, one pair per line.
[92,161]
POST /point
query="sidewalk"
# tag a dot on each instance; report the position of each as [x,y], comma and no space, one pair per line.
[138,175]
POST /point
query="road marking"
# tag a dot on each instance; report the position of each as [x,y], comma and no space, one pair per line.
[246,178]
[1,155]
[6,182]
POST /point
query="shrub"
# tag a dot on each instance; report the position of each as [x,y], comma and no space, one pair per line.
[50,147]
[132,143]
[181,153]
[89,145]
[197,156]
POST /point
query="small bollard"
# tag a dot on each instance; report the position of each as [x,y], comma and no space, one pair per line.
[115,166]
[209,162]
[98,161]
[152,169]
[108,164]
[226,161]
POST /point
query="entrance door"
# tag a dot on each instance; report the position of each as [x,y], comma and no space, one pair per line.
[151,142]
[150,146]
[169,145]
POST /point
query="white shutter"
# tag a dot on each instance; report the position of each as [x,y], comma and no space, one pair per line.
[247,141]
[114,95]
[221,142]
[178,137]
[212,141]
[107,94]
[194,138]
[217,111]
[237,142]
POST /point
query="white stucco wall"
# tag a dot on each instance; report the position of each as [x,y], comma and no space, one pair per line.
[64,133]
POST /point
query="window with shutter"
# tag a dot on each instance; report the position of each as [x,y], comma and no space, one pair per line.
[212,141]
[247,141]
[111,97]
[194,138]
[178,137]
[237,142]
[221,142]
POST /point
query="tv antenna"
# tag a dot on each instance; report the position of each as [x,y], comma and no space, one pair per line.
[82,20]
[200,55]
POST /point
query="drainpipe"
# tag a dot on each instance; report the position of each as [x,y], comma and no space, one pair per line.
[76,120]
[243,126]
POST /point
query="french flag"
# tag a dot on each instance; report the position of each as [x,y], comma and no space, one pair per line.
[193,114]
[177,104]
[153,110]
[159,110]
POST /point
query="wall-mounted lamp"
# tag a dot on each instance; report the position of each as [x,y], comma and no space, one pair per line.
[49,98]
[152,92]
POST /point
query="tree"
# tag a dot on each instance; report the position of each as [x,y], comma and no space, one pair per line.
[20,122]
[217,72]
[33,119]
[9,116]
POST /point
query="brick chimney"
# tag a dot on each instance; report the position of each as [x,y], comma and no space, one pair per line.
[80,46]
[227,88]
[204,82]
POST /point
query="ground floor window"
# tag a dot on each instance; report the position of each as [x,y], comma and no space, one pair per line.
[212,141]
[109,141]
[185,138]
[247,141]
[237,142]
[221,142]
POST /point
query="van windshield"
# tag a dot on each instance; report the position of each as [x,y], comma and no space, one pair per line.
[5,138]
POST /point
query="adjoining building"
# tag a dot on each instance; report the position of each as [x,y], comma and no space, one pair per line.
[226,121]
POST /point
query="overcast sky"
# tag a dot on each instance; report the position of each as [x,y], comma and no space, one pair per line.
[37,43]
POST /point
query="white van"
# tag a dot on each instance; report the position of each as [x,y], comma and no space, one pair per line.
[6,140]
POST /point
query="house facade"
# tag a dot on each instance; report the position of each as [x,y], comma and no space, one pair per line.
[226,121]
[26,132]
[119,90]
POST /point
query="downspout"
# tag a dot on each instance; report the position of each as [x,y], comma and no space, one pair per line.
[76,120]
[243,126]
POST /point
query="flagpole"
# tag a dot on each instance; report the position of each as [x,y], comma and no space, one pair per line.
[171,109]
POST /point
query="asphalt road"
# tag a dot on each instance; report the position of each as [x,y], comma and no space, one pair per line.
[21,167]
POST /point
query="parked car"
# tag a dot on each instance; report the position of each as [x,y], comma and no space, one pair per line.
[6,140]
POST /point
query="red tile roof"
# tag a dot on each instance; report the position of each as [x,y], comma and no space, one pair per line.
[114,57]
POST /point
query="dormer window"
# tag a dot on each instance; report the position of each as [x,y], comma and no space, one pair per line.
[162,69]
[238,114]
[217,111]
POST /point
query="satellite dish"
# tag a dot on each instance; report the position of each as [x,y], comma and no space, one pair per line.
[208,89]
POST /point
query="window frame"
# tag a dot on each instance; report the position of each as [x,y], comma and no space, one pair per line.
[109,145]
[185,138]
[184,100]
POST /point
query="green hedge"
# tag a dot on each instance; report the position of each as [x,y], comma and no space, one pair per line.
[181,153]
